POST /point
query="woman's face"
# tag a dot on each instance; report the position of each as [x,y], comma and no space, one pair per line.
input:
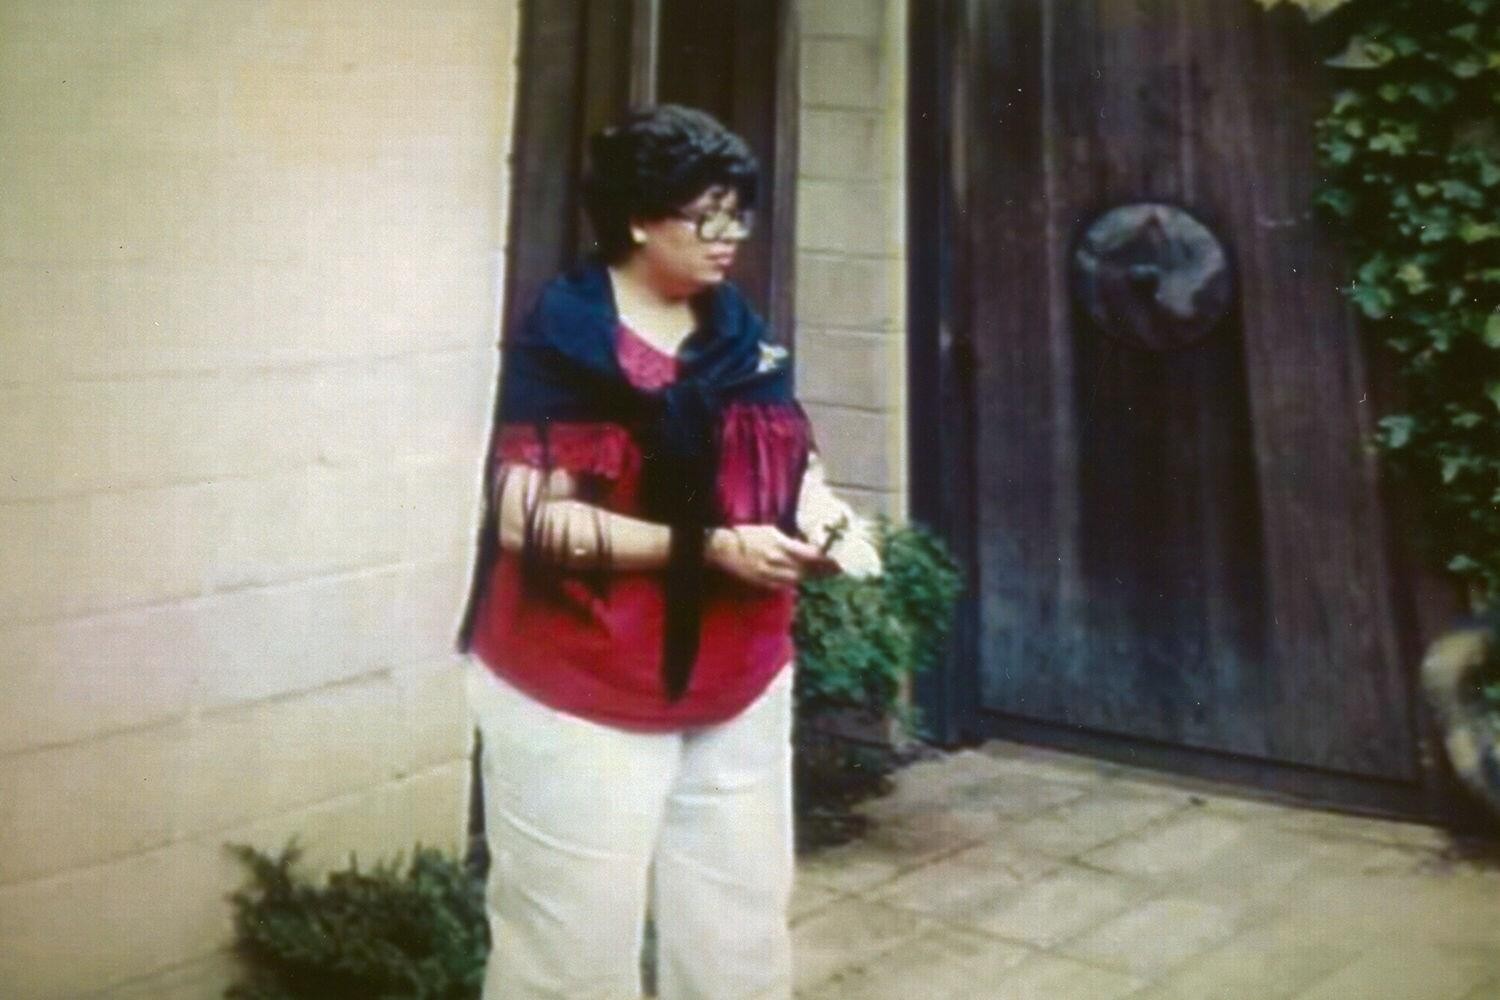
[687,252]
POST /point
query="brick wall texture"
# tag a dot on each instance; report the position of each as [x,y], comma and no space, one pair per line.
[851,246]
[248,294]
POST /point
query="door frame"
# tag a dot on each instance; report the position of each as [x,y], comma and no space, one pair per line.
[581,63]
[943,475]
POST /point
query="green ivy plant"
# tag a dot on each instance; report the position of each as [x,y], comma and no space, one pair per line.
[857,640]
[1412,153]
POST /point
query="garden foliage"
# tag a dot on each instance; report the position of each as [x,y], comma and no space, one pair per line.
[413,931]
[1411,145]
[858,639]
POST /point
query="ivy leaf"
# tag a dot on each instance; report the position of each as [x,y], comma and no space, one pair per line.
[1398,429]
[1374,301]
[1464,194]
[1432,94]
[1453,465]
[1339,151]
[1436,229]
[1405,45]
[1414,277]
[1362,53]
[1492,331]
[1339,201]
[1344,100]
[1477,232]
[1492,390]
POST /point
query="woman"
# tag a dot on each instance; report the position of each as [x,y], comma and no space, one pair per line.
[655,500]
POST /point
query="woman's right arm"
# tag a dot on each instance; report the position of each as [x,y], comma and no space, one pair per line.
[575,535]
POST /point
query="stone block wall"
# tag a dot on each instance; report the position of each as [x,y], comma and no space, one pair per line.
[249,260]
[851,245]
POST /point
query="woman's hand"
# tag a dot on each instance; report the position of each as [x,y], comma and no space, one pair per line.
[761,555]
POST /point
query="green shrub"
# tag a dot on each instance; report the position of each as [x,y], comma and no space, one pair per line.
[857,639]
[396,932]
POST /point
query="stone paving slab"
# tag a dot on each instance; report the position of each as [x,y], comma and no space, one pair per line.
[1007,873]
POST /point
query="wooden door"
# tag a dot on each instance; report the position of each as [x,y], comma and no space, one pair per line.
[1178,548]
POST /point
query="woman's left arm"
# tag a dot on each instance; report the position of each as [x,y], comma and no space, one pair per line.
[821,513]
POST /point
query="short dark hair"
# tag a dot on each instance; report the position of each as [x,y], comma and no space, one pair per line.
[655,161]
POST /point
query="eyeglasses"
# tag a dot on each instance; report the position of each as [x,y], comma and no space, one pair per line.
[713,227]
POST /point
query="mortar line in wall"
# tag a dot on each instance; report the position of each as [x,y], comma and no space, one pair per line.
[195,714]
[881,180]
[865,410]
[834,253]
[871,38]
[874,109]
[200,836]
[897,256]
[861,331]
[879,116]
[226,951]
[427,460]
[231,371]
[884,183]
[888,491]
[189,601]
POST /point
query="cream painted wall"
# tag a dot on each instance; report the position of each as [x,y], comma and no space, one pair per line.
[248,297]
[851,244]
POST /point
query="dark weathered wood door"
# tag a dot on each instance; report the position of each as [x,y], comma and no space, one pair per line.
[1187,547]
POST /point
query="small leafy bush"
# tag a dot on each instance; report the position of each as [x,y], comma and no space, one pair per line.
[857,639]
[414,931]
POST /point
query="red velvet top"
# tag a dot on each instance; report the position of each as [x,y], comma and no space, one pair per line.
[596,651]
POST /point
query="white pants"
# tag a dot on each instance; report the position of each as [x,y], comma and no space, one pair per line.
[583,820]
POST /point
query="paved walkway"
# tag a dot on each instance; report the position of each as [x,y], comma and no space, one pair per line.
[1013,874]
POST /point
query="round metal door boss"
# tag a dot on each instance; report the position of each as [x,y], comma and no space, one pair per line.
[1152,276]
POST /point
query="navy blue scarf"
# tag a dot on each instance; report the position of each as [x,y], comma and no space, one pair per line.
[561,366]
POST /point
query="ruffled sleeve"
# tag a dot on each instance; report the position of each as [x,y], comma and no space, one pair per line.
[763,452]
[582,449]
[602,457]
